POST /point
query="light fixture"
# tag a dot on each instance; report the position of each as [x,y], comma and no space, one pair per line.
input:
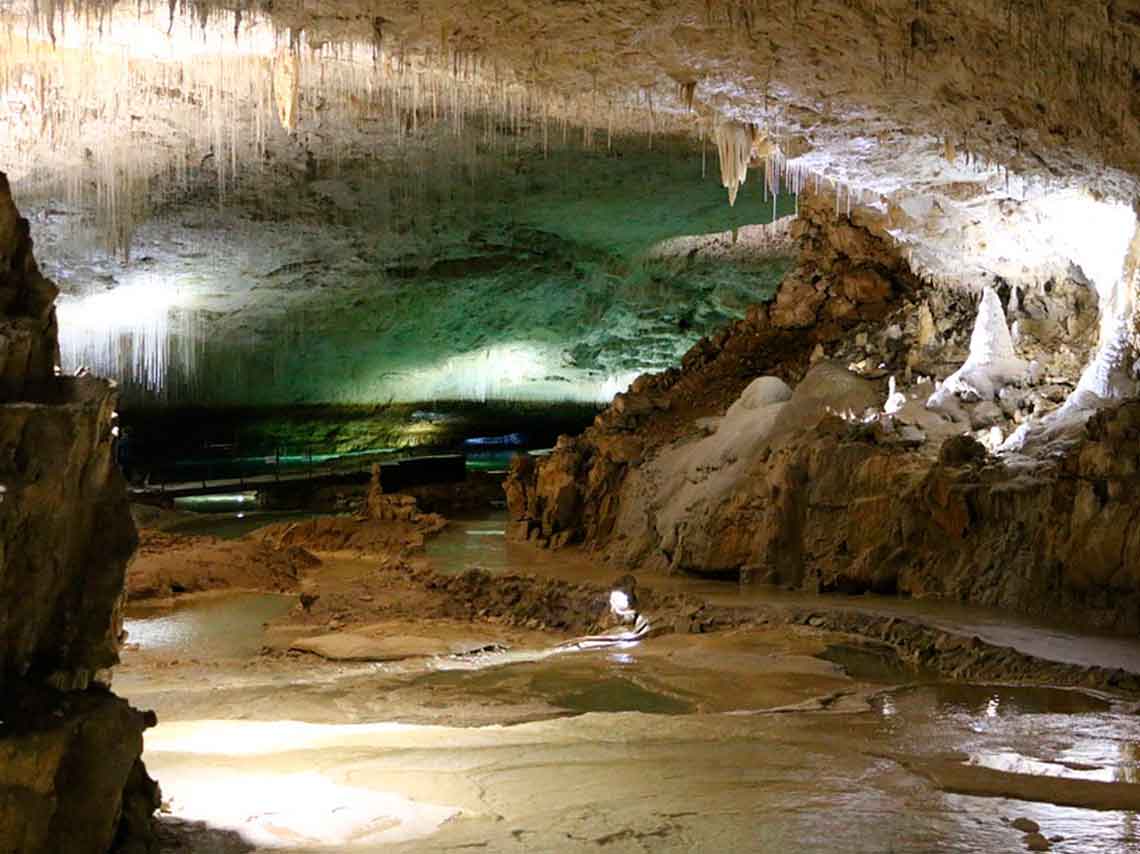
[623,599]
[619,604]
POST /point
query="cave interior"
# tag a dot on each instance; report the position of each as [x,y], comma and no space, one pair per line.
[350,350]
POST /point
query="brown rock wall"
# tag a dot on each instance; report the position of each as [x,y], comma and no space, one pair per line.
[69,749]
[27,313]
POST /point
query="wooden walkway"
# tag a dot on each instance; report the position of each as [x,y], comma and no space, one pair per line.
[394,475]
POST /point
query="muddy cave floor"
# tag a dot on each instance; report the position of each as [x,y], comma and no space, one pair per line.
[754,738]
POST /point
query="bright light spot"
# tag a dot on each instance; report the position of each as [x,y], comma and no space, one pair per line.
[305,808]
[252,738]
[128,333]
[619,603]
[213,503]
[617,384]
[1093,233]
[518,371]
[1015,763]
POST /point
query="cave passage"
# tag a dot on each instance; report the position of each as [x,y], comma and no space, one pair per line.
[457,425]
[688,735]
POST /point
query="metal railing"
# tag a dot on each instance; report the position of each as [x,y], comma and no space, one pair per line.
[240,472]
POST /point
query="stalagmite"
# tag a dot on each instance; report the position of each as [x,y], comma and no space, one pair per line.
[896,400]
[992,362]
[1112,373]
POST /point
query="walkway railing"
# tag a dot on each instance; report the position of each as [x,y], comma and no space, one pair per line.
[285,469]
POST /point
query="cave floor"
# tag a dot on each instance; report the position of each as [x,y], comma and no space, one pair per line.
[740,740]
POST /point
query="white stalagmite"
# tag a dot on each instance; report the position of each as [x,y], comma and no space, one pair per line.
[734,146]
[1108,374]
[992,362]
[1111,373]
[896,400]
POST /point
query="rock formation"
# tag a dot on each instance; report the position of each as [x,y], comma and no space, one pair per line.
[70,775]
[846,277]
[709,469]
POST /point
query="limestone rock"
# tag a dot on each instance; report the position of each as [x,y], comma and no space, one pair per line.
[69,750]
[992,363]
[578,486]
[27,314]
[796,305]
[68,764]
[791,494]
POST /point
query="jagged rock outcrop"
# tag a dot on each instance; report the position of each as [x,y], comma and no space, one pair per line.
[28,336]
[70,774]
[812,485]
[849,507]
[847,277]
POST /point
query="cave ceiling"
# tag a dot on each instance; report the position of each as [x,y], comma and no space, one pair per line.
[990,139]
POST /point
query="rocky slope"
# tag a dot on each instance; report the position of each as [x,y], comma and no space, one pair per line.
[850,482]
[70,774]
[846,277]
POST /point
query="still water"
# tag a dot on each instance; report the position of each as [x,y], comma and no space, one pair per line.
[760,739]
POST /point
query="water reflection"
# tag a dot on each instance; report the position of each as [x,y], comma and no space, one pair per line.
[1129,769]
[228,626]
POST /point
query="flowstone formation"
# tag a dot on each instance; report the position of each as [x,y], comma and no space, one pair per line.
[70,774]
[843,438]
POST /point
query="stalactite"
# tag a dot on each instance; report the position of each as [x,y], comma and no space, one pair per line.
[734,148]
[226,108]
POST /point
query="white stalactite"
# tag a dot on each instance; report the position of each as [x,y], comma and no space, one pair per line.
[734,146]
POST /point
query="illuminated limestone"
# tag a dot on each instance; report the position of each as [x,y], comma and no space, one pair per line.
[1111,374]
[124,111]
[734,147]
[138,332]
[992,362]
[287,86]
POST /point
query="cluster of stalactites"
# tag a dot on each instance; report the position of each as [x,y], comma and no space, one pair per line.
[116,113]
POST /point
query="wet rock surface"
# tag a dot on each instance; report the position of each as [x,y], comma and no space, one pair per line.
[809,696]
[172,564]
[422,697]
